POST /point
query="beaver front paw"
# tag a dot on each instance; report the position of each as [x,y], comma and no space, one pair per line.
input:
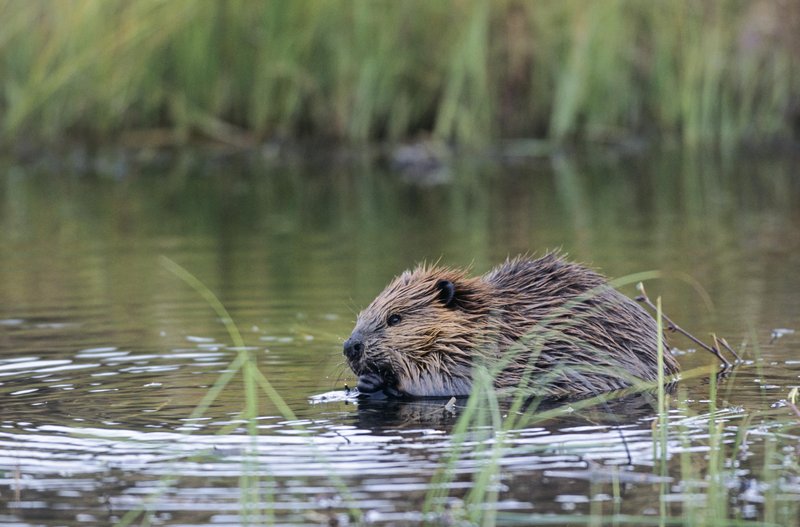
[370,382]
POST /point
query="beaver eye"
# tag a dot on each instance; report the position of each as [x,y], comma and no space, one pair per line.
[394,319]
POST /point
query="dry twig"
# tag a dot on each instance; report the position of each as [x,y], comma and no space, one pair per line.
[672,326]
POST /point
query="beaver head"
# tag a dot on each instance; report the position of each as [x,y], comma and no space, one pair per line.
[418,337]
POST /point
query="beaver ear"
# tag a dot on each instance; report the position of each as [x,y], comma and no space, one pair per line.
[447,292]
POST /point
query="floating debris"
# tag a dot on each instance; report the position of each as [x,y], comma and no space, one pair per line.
[199,340]
[346,395]
[779,333]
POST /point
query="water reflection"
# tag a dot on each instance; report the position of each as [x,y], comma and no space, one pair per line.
[104,354]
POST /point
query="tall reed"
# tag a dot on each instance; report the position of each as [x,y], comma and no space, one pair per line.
[468,72]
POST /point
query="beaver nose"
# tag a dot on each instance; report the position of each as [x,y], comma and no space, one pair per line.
[353,348]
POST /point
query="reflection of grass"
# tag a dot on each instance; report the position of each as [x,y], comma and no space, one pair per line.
[468,71]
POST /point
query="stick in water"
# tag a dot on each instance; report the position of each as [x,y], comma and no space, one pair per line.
[674,327]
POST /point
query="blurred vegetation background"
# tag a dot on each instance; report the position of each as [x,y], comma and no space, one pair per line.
[468,71]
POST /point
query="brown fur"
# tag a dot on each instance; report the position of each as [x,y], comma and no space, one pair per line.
[549,326]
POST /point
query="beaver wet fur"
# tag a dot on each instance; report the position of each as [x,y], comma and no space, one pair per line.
[546,325]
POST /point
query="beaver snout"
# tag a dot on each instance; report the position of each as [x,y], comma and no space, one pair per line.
[353,347]
[374,376]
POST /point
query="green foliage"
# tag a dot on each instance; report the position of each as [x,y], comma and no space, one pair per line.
[468,71]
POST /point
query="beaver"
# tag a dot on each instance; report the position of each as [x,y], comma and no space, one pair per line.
[547,325]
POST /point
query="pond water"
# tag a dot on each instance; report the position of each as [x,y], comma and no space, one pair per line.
[105,353]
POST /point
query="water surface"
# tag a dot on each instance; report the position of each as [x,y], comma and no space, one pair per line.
[104,353]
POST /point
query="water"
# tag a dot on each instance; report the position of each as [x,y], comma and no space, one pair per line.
[104,353]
